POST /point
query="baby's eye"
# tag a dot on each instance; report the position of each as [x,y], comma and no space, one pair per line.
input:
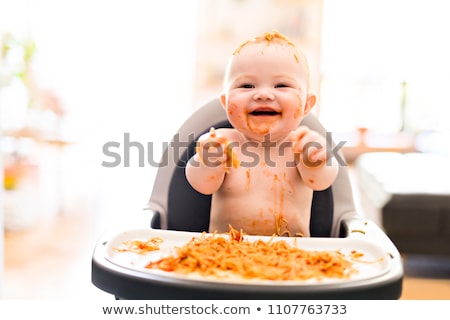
[247,86]
[281,85]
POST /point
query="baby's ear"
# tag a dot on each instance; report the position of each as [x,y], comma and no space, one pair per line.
[310,103]
[223,99]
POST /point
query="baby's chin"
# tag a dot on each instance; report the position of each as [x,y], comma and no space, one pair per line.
[271,134]
[262,125]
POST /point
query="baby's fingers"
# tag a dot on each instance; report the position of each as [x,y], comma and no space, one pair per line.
[298,139]
[317,156]
[212,148]
[305,139]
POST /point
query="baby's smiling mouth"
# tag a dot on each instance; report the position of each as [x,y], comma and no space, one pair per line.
[262,119]
[265,111]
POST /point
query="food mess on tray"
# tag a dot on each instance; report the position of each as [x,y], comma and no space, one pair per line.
[275,259]
[139,246]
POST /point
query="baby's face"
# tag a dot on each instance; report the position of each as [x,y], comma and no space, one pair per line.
[266,90]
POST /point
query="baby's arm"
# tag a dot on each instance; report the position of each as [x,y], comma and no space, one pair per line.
[206,170]
[317,171]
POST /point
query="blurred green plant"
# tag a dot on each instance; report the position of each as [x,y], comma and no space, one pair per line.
[23,50]
[16,58]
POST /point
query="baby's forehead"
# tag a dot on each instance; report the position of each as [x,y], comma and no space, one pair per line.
[269,45]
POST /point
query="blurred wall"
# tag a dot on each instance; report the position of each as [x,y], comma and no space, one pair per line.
[117,67]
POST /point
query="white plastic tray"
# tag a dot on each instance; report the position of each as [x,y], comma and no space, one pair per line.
[379,260]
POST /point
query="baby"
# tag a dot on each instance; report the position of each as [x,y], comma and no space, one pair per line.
[263,171]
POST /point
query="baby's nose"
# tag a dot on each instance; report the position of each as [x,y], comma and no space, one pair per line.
[264,94]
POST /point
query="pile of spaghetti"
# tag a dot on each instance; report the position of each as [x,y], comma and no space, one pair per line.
[218,256]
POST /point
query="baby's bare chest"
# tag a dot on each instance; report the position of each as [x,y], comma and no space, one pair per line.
[263,180]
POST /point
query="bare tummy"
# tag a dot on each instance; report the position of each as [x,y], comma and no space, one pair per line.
[265,195]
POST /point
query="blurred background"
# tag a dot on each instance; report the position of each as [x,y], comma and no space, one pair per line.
[78,75]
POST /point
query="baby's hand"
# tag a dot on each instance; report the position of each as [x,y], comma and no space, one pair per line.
[310,146]
[212,149]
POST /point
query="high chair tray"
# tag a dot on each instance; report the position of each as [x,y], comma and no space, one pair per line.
[372,261]
[124,274]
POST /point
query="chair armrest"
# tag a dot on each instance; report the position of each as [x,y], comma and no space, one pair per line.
[155,220]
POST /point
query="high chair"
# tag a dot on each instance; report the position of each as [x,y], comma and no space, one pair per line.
[177,209]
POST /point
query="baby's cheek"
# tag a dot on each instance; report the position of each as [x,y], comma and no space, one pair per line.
[298,112]
[232,109]
[235,114]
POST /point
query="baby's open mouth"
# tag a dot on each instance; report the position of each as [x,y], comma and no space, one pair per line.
[265,112]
